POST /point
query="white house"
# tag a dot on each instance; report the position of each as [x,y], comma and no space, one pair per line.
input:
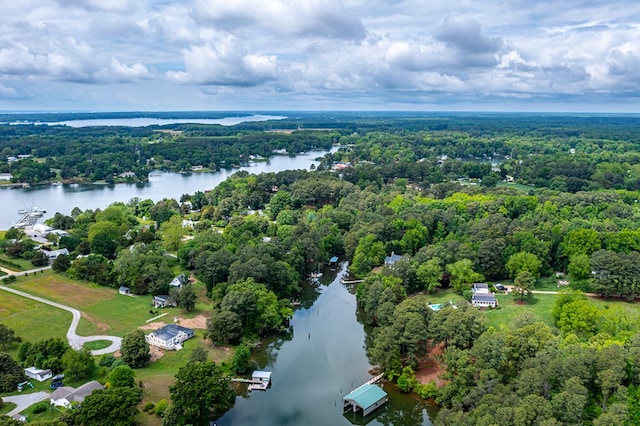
[5,176]
[42,228]
[162,301]
[169,337]
[179,281]
[53,254]
[65,395]
[482,297]
[38,374]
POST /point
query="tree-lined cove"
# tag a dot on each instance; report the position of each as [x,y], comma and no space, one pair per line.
[422,209]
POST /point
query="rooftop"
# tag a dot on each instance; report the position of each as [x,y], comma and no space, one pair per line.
[366,396]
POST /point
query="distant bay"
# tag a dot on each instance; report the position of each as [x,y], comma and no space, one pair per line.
[154,121]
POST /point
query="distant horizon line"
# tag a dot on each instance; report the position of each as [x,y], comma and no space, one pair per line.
[272,111]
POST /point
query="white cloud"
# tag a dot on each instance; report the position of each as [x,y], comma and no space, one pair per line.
[325,52]
[226,62]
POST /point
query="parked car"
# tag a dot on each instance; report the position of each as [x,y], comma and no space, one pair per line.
[56,381]
[500,287]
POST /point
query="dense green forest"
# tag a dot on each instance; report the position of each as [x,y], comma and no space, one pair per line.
[462,199]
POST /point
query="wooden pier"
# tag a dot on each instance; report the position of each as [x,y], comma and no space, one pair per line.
[343,281]
[370,381]
[260,380]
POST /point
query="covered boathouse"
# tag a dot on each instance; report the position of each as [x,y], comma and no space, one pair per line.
[366,399]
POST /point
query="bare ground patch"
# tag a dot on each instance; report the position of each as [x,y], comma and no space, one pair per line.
[156,352]
[199,321]
[430,368]
[152,326]
[101,327]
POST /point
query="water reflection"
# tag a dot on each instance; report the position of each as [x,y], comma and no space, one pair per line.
[316,364]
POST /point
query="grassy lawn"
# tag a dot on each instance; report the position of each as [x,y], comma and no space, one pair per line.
[24,264]
[51,413]
[540,304]
[6,407]
[97,344]
[31,320]
[443,296]
[104,310]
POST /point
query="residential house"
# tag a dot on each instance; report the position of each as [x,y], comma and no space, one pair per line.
[169,337]
[179,281]
[64,396]
[53,254]
[38,374]
[482,297]
[162,301]
[128,174]
[5,176]
[390,260]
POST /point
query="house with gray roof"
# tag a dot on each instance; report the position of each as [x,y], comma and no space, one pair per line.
[169,337]
[65,396]
[179,281]
[482,297]
[390,260]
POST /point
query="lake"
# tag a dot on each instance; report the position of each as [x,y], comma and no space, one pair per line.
[316,364]
[160,185]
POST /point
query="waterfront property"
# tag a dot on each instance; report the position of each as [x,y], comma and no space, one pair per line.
[169,337]
[366,399]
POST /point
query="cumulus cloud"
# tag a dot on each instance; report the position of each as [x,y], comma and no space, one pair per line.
[471,46]
[303,18]
[369,52]
[226,62]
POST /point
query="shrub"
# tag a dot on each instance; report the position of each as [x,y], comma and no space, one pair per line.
[161,407]
[107,360]
[41,407]
[148,407]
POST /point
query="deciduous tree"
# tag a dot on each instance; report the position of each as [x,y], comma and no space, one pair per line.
[135,349]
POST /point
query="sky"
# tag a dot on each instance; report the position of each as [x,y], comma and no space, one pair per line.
[270,55]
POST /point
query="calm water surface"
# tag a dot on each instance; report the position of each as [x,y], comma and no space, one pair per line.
[160,185]
[322,359]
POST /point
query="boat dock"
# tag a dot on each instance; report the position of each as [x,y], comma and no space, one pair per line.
[260,380]
[366,398]
[29,218]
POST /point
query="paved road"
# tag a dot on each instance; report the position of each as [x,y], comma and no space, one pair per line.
[24,401]
[75,341]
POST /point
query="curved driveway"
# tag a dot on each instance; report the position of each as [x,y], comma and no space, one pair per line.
[75,341]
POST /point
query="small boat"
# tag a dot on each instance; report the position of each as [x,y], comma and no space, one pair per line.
[56,184]
[38,210]
[22,211]
[26,185]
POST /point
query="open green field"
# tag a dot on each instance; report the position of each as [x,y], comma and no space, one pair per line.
[508,309]
[31,320]
[104,310]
